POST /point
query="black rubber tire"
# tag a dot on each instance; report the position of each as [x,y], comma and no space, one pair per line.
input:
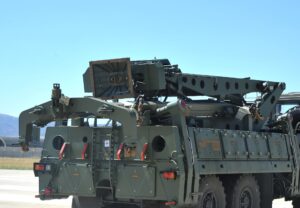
[295,113]
[296,203]
[266,188]
[228,183]
[245,193]
[86,202]
[212,193]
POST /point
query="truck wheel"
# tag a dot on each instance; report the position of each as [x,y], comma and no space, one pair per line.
[212,193]
[246,193]
[295,113]
[228,183]
[86,202]
[296,203]
[266,189]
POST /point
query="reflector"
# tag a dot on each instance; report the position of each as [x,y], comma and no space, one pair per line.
[39,167]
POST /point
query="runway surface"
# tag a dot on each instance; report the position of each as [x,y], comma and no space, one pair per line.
[18,188]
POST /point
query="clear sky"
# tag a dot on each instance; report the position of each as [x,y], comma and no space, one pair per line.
[43,42]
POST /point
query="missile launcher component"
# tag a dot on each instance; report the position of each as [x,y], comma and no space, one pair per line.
[152,136]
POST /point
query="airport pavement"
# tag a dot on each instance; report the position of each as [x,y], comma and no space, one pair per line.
[18,188]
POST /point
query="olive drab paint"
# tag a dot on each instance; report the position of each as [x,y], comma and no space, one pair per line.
[153,136]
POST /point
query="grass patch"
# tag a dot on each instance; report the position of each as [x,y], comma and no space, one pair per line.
[17,163]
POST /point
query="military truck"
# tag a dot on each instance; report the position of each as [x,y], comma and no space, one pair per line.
[153,136]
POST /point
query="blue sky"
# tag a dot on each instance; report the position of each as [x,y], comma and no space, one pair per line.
[43,42]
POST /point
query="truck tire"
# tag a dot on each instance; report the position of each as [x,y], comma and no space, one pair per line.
[245,193]
[212,193]
[295,113]
[296,203]
[86,202]
[228,183]
[265,183]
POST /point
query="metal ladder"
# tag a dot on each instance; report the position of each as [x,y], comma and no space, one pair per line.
[296,160]
[111,166]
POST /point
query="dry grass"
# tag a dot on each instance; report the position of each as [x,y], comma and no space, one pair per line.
[17,163]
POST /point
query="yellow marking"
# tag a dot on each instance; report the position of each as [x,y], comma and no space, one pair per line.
[215,144]
[75,174]
[135,176]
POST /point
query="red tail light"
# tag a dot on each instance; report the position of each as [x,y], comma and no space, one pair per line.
[42,168]
[39,167]
[169,175]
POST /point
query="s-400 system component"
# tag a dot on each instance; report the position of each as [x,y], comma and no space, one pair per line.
[152,136]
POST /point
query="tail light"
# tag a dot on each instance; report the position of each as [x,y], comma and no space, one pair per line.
[169,175]
[41,168]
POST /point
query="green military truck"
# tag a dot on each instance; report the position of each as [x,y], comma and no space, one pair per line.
[152,136]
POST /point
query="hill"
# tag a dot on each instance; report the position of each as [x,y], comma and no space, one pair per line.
[9,125]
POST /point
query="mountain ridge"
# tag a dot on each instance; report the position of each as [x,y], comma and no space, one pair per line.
[9,125]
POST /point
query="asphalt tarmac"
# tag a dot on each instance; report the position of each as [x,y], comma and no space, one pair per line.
[19,187]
